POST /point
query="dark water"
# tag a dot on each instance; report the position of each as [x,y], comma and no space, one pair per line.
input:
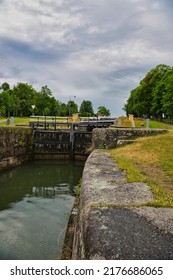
[35,203]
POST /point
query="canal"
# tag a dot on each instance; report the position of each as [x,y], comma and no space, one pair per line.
[35,203]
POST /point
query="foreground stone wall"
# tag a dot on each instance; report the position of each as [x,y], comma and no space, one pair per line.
[112,221]
[15,146]
[109,138]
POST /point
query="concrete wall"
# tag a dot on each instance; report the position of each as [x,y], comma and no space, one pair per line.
[111,137]
[15,146]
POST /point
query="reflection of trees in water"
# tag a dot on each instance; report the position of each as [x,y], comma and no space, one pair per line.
[50,178]
[52,192]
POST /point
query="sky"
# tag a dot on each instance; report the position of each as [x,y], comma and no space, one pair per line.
[97,50]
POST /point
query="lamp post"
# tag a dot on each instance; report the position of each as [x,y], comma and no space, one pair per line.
[33,107]
[70,97]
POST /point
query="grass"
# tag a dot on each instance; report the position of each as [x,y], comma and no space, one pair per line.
[152,124]
[150,160]
[17,121]
[21,121]
[26,120]
[124,122]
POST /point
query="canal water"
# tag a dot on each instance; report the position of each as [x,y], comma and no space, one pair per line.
[35,203]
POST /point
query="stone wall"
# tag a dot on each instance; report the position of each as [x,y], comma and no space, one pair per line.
[109,138]
[15,146]
[111,221]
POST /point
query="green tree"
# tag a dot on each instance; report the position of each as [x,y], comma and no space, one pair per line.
[72,107]
[63,109]
[147,99]
[45,95]
[26,97]
[136,104]
[158,87]
[54,107]
[103,111]
[86,108]
[5,86]
[6,103]
[167,100]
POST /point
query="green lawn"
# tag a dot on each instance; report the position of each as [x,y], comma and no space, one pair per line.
[22,121]
[124,122]
[26,120]
[153,124]
[150,160]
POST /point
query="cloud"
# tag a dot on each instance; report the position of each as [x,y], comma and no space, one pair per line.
[96,50]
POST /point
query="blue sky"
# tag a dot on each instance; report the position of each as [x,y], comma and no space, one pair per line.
[96,50]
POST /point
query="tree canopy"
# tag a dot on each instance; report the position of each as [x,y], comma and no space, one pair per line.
[103,111]
[154,95]
[86,109]
[19,100]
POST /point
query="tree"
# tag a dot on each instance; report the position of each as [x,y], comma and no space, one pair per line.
[136,104]
[72,107]
[5,86]
[86,108]
[54,106]
[151,96]
[26,97]
[18,101]
[6,103]
[63,110]
[103,111]
[45,95]
[167,100]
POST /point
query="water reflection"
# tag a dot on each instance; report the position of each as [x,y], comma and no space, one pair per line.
[34,202]
[52,192]
[21,181]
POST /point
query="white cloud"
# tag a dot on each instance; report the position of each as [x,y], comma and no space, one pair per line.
[97,50]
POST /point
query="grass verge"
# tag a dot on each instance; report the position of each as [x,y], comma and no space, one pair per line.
[150,160]
[124,122]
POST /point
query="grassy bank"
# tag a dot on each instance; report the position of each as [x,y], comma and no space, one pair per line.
[150,160]
[17,121]
[26,120]
[124,122]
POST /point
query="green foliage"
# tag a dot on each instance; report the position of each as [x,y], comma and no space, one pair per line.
[5,86]
[154,95]
[86,109]
[63,109]
[21,143]
[18,101]
[72,107]
[78,188]
[103,111]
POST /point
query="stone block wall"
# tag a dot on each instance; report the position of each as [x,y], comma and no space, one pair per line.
[110,222]
[15,146]
[104,138]
[109,137]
